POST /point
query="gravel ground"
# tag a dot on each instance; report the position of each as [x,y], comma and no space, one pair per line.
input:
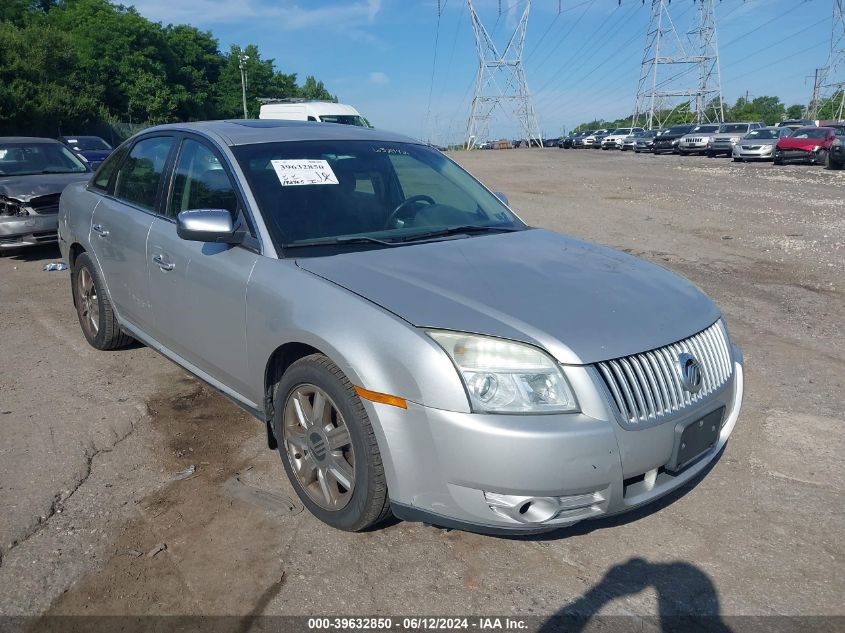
[95,521]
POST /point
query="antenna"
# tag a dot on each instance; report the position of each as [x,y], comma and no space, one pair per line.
[829,86]
[667,80]
[500,81]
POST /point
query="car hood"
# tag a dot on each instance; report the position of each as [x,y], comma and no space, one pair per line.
[25,188]
[724,135]
[582,302]
[800,143]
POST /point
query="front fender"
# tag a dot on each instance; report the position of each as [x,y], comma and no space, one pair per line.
[374,348]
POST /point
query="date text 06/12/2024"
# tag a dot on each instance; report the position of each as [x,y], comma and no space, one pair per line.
[418,623]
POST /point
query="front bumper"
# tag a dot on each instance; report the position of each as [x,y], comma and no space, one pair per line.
[513,473]
[764,152]
[693,147]
[28,231]
[797,156]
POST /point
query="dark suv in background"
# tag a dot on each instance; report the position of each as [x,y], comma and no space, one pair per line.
[668,141]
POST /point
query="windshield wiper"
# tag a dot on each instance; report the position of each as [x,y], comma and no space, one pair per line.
[357,239]
[456,230]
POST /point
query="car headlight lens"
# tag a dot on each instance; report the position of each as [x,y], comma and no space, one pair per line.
[735,139]
[507,377]
[816,148]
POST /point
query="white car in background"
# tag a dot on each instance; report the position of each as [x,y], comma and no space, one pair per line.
[615,139]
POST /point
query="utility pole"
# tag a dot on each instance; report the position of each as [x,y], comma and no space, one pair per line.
[829,84]
[241,64]
[500,81]
[668,59]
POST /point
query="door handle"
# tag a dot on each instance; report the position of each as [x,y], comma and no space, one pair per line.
[99,230]
[163,263]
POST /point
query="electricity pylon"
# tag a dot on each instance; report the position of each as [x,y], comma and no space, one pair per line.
[829,84]
[500,82]
[667,73]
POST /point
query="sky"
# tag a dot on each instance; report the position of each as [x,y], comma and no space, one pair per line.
[411,70]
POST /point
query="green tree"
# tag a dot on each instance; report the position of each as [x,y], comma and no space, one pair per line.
[795,112]
[313,89]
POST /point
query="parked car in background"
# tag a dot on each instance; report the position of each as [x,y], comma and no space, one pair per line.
[729,134]
[836,156]
[308,272]
[590,139]
[697,140]
[630,141]
[299,109]
[759,144]
[566,141]
[599,136]
[580,141]
[33,173]
[645,141]
[551,142]
[615,139]
[668,141]
[805,145]
[92,149]
[794,124]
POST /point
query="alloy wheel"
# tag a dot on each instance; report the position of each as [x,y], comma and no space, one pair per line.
[89,305]
[319,447]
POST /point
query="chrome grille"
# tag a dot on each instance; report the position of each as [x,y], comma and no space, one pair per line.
[647,387]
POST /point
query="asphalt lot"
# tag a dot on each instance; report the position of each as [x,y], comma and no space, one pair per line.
[90,442]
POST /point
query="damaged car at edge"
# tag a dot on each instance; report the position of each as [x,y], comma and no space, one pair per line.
[33,174]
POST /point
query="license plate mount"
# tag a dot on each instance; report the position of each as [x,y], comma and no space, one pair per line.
[694,438]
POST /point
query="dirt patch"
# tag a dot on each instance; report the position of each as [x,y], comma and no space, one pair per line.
[192,538]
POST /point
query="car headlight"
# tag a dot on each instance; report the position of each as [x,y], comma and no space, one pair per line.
[816,148]
[506,377]
[735,139]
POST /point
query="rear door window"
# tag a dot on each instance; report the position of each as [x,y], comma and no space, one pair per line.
[139,178]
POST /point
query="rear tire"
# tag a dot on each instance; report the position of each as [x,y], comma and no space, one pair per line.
[737,159]
[832,164]
[93,307]
[315,465]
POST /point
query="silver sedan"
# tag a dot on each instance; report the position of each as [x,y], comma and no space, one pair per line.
[410,344]
[759,144]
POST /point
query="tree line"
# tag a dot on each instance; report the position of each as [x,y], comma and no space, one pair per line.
[70,66]
[767,109]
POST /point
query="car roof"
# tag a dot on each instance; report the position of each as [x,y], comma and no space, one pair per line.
[26,139]
[81,136]
[251,131]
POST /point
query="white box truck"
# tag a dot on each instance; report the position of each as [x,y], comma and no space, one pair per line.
[318,111]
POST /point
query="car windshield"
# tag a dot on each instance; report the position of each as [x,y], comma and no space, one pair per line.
[86,143]
[705,128]
[733,127]
[318,193]
[680,129]
[764,134]
[26,159]
[623,130]
[345,119]
[811,132]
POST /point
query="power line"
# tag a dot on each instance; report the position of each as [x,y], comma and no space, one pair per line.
[433,69]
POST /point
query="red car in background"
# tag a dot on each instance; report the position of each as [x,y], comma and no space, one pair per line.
[806,145]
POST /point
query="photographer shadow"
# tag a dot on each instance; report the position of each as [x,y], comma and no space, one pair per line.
[687,600]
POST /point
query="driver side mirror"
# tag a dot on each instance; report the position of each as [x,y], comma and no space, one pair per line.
[501,196]
[208,225]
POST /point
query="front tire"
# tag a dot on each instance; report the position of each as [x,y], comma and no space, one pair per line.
[93,307]
[832,164]
[328,447]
